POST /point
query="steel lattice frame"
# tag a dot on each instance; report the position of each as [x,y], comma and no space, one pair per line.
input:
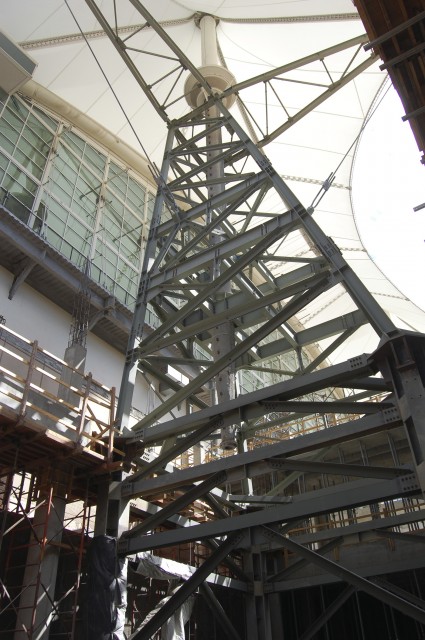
[192,232]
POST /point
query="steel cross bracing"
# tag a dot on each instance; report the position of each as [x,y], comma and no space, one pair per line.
[243,227]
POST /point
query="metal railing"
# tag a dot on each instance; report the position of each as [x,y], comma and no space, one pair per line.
[40,391]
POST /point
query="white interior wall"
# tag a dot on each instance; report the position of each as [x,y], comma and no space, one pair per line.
[34,317]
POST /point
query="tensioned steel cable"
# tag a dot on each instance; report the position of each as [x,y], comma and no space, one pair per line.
[150,162]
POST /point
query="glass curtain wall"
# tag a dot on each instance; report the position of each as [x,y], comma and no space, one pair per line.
[77,197]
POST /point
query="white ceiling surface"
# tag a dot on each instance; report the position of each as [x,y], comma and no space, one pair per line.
[305,154]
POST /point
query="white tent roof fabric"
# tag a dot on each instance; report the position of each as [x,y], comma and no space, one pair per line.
[253,38]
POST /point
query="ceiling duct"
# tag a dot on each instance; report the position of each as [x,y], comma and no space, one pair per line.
[16,67]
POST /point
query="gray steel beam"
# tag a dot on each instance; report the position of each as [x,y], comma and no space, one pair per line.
[249,406]
[220,615]
[174,507]
[186,63]
[246,313]
[181,150]
[333,87]
[295,475]
[234,568]
[227,150]
[246,407]
[399,561]
[25,268]
[361,528]
[128,379]
[398,535]
[108,308]
[303,506]
[149,487]
[203,231]
[45,256]
[290,309]
[215,202]
[355,580]
[370,384]
[401,360]
[354,286]
[120,47]
[344,79]
[296,64]
[294,446]
[324,355]
[270,237]
[327,614]
[187,588]
[304,337]
[251,499]
[299,564]
[149,367]
[322,407]
[147,509]
[336,468]
[406,595]
[237,197]
[179,447]
[165,360]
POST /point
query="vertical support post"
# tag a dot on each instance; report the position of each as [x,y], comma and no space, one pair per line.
[79,567]
[255,612]
[72,375]
[5,492]
[401,361]
[27,387]
[128,380]
[111,434]
[102,507]
[274,602]
[223,339]
[84,406]
[246,482]
[36,601]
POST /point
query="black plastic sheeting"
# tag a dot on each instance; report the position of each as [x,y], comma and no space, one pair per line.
[106,599]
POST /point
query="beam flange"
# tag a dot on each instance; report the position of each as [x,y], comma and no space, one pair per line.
[355,580]
[352,494]
[188,588]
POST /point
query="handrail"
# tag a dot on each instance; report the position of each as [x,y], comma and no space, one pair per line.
[41,391]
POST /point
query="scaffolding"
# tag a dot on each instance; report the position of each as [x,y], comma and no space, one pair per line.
[56,438]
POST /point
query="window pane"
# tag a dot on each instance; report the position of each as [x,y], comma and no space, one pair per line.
[77,241]
[13,117]
[39,130]
[53,238]
[54,209]
[136,195]
[50,122]
[4,162]
[37,141]
[75,142]
[30,158]
[95,159]
[8,140]
[15,179]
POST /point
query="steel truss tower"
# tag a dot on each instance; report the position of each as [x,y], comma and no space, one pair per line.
[209,269]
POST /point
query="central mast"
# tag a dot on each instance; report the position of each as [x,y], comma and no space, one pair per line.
[223,387]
